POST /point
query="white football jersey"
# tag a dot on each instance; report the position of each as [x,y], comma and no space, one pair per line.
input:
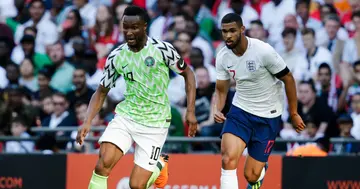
[258,91]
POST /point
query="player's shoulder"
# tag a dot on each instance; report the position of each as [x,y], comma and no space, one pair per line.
[161,45]
[117,51]
[222,53]
[259,45]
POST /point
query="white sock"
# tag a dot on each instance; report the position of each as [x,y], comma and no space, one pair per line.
[262,175]
[228,179]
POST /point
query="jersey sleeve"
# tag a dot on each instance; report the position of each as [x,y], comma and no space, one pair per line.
[110,73]
[221,72]
[171,57]
[273,62]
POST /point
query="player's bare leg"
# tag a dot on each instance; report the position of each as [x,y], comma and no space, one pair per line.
[254,172]
[232,148]
[109,155]
[141,178]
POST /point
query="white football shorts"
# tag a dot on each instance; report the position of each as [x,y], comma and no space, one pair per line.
[123,132]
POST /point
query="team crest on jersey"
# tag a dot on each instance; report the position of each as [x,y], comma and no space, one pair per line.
[149,61]
[251,65]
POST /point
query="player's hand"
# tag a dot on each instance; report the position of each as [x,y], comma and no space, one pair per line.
[82,132]
[298,122]
[192,123]
[219,116]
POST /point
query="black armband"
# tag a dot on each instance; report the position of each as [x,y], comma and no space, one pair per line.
[282,73]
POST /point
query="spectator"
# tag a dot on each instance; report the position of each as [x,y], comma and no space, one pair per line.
[314,54]
[293,57]
[81,91]
[6,46]
[202,15]
[61,117]
[352,46]
[351,81]
[46,30]
[27,49]
[331,39]
[303,16]
[197,61]
[19,127]
[239,7]
[257,31]
[70,29]
[315,107]
[325,89]
[44,77]
[291,22]
[27,78]
[104,35]
[273,14]
[12,74]
[47,106]
[355,115]
[183,44]
[162,22]
[61,80]
[345,124]
[87,12]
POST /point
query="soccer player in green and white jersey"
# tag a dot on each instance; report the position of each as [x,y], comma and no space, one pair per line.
[144,116]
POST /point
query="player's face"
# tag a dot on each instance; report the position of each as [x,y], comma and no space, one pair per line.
[231,33]
[134,30]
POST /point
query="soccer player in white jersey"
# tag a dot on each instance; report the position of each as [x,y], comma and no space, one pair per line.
[254,118]
[145,114]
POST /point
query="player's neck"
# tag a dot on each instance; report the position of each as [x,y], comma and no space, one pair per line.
[141,45]
[240,49]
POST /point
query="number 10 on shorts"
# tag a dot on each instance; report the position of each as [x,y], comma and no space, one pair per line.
[155,153]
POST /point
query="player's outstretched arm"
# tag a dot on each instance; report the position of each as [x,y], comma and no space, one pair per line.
[221,90]
[290,88]
[189,77]
[95,105]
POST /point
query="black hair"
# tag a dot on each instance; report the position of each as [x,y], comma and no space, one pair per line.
[333,17]
[21,120]
[199,50]
[232,17]
[356,63]
[34,1]
[325,65]
[300,2]
[309,82]
[132,10]
[257,22]
[355,14]
[331,7]
[288,31]
[306,31]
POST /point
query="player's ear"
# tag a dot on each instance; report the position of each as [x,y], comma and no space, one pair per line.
[145,26]
[242,29]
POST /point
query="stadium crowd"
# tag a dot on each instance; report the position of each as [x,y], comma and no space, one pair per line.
[52,55]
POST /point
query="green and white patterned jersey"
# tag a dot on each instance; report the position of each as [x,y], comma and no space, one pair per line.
[146,75]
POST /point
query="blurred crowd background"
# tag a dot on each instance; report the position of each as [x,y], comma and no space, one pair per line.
[52,55]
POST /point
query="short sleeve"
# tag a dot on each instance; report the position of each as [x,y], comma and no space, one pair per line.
[110,73]
[272,61]
[171,57]
[221,72]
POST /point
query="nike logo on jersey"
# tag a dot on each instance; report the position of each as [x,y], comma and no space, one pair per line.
[151,163]
[229,67]
[124,66]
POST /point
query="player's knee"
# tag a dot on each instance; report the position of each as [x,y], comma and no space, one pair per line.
[104,165]
[137,184]
[229,161]
[251,175]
